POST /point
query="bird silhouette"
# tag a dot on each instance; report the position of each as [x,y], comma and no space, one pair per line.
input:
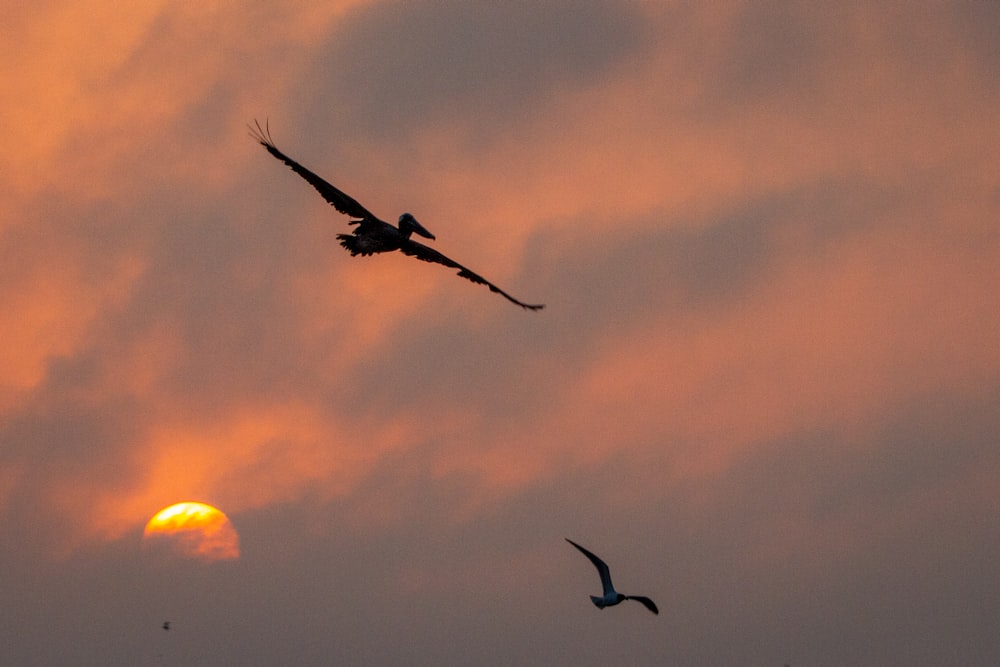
[373,235]
[611,597]
[166,625]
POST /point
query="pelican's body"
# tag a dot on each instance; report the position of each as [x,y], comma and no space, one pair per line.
[611,597]
[373,235]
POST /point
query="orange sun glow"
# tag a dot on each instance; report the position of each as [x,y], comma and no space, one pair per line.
[192,530]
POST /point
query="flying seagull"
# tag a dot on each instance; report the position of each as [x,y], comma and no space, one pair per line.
[611,597]
[166,625]
[373,235]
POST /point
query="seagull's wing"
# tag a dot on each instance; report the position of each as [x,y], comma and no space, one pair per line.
[427,254]
[602,568]
[646,602]
[341,201]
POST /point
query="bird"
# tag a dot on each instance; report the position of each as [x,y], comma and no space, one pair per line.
[373,235]
[611,597]
[166,625]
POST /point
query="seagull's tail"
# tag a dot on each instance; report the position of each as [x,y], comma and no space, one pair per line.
[598,602]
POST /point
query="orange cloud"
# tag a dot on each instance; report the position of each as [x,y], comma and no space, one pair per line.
[50,307]
[871,205]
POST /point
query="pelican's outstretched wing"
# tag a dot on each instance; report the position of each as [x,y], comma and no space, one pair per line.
[427,254]
[602,567]
[341,201]
[649,604]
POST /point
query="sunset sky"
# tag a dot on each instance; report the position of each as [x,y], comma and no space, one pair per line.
[765,387]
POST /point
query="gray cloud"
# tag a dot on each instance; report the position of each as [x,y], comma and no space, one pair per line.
[859,532]
[782,49]
[402,65]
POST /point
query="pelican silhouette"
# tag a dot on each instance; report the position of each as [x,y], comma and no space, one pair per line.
[373,235]
[611,597]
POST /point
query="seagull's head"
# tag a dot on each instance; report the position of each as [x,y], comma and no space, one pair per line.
[621,597]
[409,225]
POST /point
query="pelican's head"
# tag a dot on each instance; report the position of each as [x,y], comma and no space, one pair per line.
[409,225]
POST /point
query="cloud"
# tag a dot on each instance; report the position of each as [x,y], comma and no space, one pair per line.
[398,67]
[762,385]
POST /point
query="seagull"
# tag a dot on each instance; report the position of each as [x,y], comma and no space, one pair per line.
[166,625]
[611,597]
[373,235]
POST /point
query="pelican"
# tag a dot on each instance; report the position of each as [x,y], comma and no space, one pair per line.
[373,235]
[611,597]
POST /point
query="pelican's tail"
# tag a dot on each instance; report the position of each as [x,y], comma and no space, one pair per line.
[350,241]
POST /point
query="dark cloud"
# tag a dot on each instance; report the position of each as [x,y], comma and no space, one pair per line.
[829,63]
[783,49]
[857,542]
[72,448]
[400,66]
[766,398]
[702,264]
[977,27]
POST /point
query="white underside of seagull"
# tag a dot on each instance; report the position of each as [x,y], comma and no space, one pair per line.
[611,597]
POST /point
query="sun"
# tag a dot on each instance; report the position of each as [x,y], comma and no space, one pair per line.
[192,530]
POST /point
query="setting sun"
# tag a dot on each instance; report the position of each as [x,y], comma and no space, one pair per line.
[192,530]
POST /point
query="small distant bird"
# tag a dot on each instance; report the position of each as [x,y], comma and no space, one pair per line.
[611,597]
[166,625]
[373,235]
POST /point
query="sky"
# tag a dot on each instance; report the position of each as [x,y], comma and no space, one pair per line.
[765,387]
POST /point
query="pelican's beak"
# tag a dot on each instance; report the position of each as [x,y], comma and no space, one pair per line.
[408,224]
[420,229]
